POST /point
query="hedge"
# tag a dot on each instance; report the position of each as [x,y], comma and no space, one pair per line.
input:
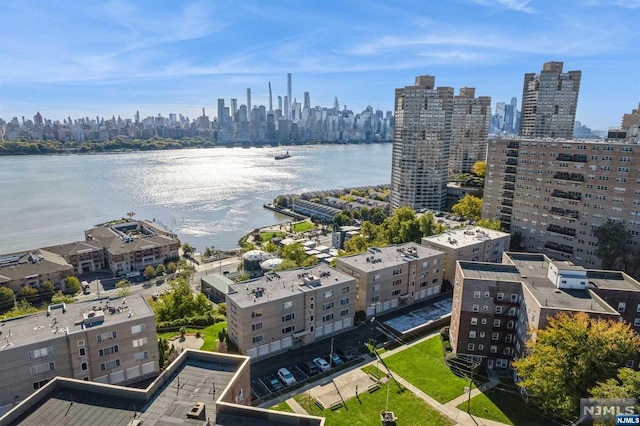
[201,321]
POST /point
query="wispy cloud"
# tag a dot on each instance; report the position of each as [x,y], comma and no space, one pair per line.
[517,5]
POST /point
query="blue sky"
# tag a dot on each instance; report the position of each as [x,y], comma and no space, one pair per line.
[89,58]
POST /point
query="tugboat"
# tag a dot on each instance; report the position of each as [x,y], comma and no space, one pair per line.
[283,156]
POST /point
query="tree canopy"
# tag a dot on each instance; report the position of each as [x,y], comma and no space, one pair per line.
[72,285]
[479,168]
[570,356]
[615,250]
[469,207]
[181,302]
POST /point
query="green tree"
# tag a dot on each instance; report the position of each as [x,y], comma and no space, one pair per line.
[22,307]
[149,272]
[427,224]
[181,302]
[188,249]
[185,269]
[286,264]
[208,252]
[479,168]
[27,291]
[123,286]
[222,308]
[364,213]
[469,207]
[401,227]
[294,252]
[613,245]
[625,385]
[515,243]
[571,355]
[341,219]
[6,295]
[310,261]
[161,269]
[490,224]
[172,267]
[48,287]
[281,201]
[377,215]
[72,285]
[271,247]
[356,244]
[59,297]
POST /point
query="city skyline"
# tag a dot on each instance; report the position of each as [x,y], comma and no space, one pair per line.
[173,58]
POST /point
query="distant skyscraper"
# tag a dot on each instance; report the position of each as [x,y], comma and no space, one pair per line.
[270,99]
[549,102]
[234,109]
[221,117]
[249,104]
[421,142]
[514,117]
[307,100]
[289,93]
[287,108]
[280,103]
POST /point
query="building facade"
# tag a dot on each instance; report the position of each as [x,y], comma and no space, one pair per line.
[496,305]
[295,307]
[32,269]
[107,341]
[431,123]
[549,102]
[393,276]
[555,193]
[472,243]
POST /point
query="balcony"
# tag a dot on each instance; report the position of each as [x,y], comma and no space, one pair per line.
[509,178]
[571,214]
[575,177]
[570,195]
[512,162]
[563,248]
[507,194]
[511,170]
[505,210]
[505,218]
[507,202]
[562,230]
[576,158]
[512,145]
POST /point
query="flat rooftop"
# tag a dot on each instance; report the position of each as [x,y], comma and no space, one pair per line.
[463,237]
[531,270]
[377,258]
[282,284]
[194,377]
[69,318]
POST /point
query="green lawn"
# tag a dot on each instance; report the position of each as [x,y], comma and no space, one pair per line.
[506,406]
[408,408]
[283,406]
[267,236]
[423,366]
[209,334]
[302,226]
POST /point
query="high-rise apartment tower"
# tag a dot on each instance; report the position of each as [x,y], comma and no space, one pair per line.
[549,102]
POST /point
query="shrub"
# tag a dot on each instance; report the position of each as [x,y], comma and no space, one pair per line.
[183,331]
[198,334]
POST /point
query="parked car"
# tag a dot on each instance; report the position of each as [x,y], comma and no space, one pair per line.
[321,364]
[309,368]
[335,360]
[343,354]
[286,377]
[275,385]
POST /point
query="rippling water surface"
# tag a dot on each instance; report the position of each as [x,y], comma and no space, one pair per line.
[210,197]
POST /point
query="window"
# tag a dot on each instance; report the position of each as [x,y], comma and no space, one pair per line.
[638,308]
[376,288]
[110,364]
[480,347]
[256,339]
[140,328]
[375,299]
[139,356]
[42,352]
[471,347]
[395,292]
[327,294]
[495,336]
[344,312]
[257,326]
[287,317]
[287,305]
[397,271]
[81,342]
[107,336]
[514,297]
[502,363]
[258,313]
[493,349]
[496,323]
[109,350]
[326,318]
[500,296]
[498,309]
[344,290]
[636,322]
[630,363]
[472,334]
[482,334]
[622,306]
[84,366]
[43,368]
[476,308]
[139,342]
[289,329]
[425,264]
[327,306]
[344,301]
[485,308]
[83,351]
[483,321]
[41,383]
[487,294]
[476,295]
[474,321]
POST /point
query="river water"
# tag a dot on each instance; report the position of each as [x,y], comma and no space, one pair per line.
[209,197]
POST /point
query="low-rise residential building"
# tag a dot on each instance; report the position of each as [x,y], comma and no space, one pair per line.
[198,388]
[315,210]
[496,305]
[32,268]
[281,309]
[215,287]
[472,243]
[107,341]
[393,276]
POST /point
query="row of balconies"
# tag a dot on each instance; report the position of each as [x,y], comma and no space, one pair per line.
[569,195]
[572,214]
[576,158]
[562,230]
[558,247]
[576,177]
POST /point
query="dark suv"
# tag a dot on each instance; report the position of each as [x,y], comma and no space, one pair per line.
[309,368]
